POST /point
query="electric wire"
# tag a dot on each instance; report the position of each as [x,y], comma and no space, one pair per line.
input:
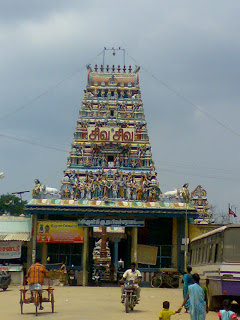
[49,89]
[188,100]
[158,168]
[32,143]
[197,175]
[192,166]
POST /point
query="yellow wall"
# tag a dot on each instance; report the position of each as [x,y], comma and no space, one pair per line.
[196,230]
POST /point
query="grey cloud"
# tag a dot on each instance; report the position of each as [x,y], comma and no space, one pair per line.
[191,46]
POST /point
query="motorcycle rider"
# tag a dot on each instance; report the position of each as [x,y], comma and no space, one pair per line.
[133,275]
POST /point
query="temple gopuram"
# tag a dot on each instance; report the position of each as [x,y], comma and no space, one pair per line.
[110,199]
[111,156]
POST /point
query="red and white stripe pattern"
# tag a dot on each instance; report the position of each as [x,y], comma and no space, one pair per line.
[147,276]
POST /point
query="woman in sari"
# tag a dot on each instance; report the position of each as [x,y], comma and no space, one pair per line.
[197,296]
[187,281]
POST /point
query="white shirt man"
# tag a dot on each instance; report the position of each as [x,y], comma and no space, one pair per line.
[133,275]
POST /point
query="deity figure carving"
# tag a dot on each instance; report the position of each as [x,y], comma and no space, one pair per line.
[36,189]
[185,193]
[117,161]
[88,162]
[66,192]
[139,192]
[115,190]
[87,191]
[105,189]
[128,190]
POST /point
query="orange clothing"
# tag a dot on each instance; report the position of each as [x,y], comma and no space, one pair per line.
[36,273]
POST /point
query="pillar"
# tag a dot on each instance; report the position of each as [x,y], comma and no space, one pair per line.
[29,254]
[174,243]
[44,247]
[116,253]
[34,237]
[44,253]
[134,244]
[85,255]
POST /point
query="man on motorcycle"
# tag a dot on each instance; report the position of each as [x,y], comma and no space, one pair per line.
[133,275]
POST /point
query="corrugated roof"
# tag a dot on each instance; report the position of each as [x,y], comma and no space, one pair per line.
[2,236]
[18,236]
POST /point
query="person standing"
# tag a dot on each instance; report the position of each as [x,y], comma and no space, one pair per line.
[63,274]
[197,296]
[35,278]
[187,281]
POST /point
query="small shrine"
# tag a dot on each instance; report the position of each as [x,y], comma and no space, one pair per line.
[199,200]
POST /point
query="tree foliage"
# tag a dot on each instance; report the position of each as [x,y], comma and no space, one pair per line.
[11,204]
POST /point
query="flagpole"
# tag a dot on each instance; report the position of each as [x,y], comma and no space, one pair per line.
[228,213]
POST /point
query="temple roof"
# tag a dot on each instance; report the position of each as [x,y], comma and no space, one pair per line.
[114,207]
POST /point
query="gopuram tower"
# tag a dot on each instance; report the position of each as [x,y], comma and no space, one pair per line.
[110,157]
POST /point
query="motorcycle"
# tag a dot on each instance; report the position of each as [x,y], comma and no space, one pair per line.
[5,280]
[129,296]
[71,277]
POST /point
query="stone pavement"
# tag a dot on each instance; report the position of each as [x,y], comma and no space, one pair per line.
[90,303]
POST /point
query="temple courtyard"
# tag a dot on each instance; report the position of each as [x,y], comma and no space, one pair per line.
[89,303]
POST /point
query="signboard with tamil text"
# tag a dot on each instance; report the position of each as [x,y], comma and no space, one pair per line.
[59,232]
[11,267]
[111,134]
[111,222]
[10,249]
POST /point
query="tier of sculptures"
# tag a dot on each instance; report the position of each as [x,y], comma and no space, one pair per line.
[110,186]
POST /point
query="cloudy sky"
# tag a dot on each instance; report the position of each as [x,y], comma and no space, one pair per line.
[190,77]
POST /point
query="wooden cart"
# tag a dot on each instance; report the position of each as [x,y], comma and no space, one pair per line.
[33,296]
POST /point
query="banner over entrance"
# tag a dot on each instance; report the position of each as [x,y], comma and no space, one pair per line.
[59,232]
[110,222]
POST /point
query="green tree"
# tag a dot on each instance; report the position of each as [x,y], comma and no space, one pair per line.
[9,203]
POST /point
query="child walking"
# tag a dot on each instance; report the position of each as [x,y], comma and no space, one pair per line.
[166,314]
[226,313]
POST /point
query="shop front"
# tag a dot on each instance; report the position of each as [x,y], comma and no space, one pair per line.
[60,241]
[15,246]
